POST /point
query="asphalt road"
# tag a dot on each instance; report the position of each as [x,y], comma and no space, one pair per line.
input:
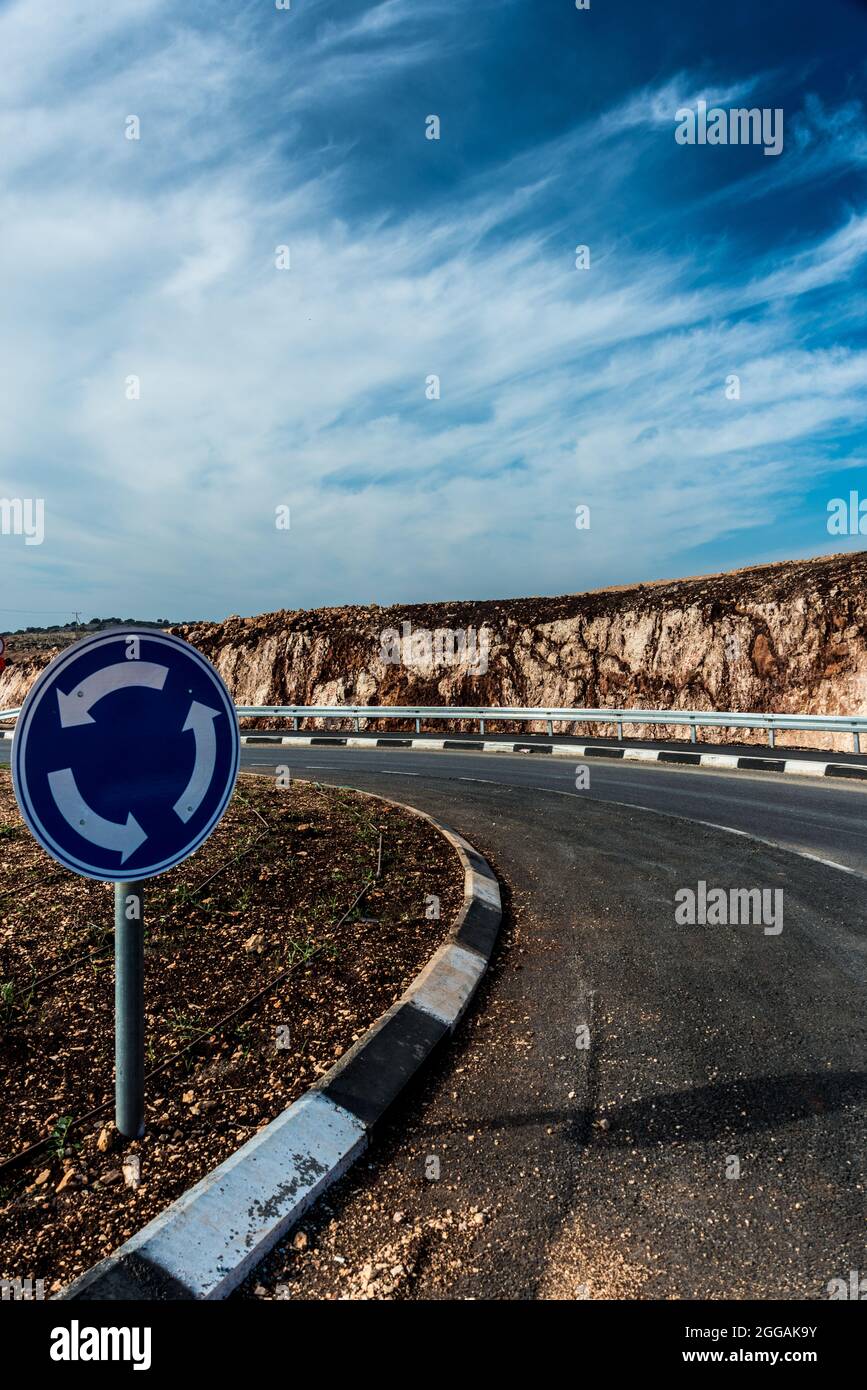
[530,1165]
[814,815]
[607,1171]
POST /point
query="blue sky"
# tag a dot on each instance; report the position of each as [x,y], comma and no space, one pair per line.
[155,258]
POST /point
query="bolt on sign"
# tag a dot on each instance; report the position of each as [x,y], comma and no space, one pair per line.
[125,755]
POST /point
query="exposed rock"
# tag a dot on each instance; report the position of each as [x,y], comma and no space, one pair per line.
[786,637]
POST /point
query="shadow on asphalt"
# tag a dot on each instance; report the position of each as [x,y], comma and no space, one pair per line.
[734,1107]
[700,1114]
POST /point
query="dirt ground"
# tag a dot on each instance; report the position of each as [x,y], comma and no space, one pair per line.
[265,905]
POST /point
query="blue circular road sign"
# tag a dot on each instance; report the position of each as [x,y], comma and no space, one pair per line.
[125,754]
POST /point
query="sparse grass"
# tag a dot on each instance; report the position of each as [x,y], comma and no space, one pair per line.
[183,1025]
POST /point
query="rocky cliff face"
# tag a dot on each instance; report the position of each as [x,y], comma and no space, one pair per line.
[21,671]
[789,637]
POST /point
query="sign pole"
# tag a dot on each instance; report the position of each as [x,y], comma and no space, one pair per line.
[107,821]
[129,1008]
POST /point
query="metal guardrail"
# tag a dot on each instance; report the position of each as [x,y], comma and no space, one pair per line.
[856,725]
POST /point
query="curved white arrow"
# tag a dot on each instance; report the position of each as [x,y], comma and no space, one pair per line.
[107,834]
[201,720]
[75,707]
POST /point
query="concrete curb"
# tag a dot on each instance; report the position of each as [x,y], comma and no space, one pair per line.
[208,1240]
[799,767]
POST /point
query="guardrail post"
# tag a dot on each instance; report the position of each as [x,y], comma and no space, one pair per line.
[355,723]
[856,743]
[481,726]
[295,722]
[772,738]
[418,726]
[693,734]
[550,728]
[620,729]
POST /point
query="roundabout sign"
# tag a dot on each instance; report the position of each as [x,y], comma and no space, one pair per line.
[125,754]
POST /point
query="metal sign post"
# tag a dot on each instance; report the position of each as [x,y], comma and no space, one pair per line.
[124,759]
[129,1008]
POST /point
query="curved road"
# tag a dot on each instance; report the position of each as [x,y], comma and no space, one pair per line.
[812,815]
[633,1108]
[708,1142]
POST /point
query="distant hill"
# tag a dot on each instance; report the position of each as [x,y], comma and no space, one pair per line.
[31,641]
[790,636]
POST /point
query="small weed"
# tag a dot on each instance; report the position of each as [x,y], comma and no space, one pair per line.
[183,1024]
[7,999]
[57,1140]
[299,951]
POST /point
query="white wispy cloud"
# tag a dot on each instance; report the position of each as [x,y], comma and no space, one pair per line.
[156,259]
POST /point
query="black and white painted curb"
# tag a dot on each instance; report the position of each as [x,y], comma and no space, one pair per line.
[799,767]
[206,1242]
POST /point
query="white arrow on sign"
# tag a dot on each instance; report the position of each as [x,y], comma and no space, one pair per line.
[201,720]
[107,834]
[76,706]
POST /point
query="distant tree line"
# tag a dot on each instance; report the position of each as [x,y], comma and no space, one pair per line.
[97,624]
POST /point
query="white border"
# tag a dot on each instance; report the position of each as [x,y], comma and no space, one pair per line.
[45,683]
